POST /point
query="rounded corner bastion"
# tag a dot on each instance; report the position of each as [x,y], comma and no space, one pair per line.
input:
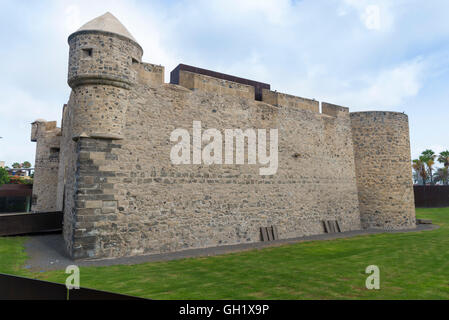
[382,158]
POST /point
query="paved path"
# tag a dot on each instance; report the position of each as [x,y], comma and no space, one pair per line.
[46,252]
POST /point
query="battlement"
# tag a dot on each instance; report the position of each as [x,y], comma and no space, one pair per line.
[333,109]
[200,82]
[198,79]
[286,100]
[149,74]
[41,127]
[175,76]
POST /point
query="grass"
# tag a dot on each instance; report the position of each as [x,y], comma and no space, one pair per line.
[12,255]
[412,266]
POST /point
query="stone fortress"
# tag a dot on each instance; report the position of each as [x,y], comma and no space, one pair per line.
[108,167]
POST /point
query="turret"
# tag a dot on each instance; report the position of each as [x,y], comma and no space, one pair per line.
[101,58]
[383,171]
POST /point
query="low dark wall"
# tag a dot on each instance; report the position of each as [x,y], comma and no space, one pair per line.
[14,204]
[15,198]
[16,190]
[27,223]
[19,288]
[431,196]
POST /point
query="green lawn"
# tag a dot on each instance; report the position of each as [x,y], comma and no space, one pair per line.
[412,265]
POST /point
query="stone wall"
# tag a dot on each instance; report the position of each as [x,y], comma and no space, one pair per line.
[150,74]
[131,200]
[47,137]
[286,100]
[205,83]
[384,173]
[94,202]
[67,184]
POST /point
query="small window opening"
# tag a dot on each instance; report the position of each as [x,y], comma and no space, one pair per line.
[134,61]
[87,53]
[54,153]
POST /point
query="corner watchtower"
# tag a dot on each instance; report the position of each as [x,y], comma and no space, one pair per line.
[101,58]
[384,176]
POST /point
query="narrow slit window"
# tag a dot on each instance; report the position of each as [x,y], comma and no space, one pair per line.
[54,153]
[87,53]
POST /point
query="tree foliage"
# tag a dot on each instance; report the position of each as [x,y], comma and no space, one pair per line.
[424,167]
[16,165]
[442,175]
[4,176]
[443,158]
[26,164]
[419,166]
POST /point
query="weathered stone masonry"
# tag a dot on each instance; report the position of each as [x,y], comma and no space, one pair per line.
[382,155]
[46,165]
[122,196]
[95,204]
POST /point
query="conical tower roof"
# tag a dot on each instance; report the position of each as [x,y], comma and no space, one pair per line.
[107,23]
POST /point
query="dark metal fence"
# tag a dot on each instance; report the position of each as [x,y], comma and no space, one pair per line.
[28,223]
[19,288]
[436,196]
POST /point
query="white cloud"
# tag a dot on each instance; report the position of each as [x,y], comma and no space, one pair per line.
[19,109]
[388,88]
[19,103]
[275,12]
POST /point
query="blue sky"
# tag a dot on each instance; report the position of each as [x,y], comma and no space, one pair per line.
[366,55]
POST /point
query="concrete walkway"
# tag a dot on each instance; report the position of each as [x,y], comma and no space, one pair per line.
[46,252]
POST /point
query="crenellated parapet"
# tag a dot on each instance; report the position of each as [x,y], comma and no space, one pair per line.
[200,82]
[286,100]
[334,110]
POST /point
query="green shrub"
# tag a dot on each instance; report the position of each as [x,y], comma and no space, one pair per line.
[4,176]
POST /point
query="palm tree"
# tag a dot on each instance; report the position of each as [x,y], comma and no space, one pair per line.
[420,168]
[442,175]
[428,156]
[26,164]
[443,158]
[16,165]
